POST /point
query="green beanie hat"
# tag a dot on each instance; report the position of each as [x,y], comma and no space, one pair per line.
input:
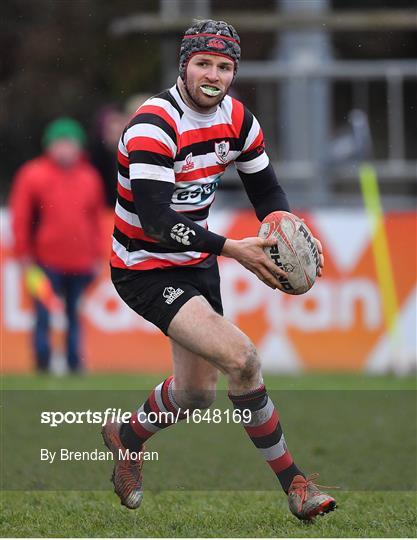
[64,128]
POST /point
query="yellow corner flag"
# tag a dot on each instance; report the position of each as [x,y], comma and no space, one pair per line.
[385,276]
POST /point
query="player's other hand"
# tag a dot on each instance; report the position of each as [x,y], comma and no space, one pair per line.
[321,257]
[249,252]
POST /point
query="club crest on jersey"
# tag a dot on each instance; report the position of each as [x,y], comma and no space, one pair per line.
[221,150]
[189,163]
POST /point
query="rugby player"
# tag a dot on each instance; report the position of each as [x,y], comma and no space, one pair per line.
[171,157]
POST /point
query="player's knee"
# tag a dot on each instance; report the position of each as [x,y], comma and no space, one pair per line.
[246,365]
[192,399]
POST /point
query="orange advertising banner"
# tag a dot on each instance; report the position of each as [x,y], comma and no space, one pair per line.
[338,325]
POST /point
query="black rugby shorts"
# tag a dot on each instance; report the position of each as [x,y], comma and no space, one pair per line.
[157,295]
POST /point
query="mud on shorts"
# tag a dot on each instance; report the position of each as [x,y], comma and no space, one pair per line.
[157,295]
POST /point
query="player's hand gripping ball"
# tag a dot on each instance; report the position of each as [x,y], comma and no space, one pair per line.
[295,251]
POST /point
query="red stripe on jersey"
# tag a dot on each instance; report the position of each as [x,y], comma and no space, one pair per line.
[122,159]
[151,264]
[238,114]
[125,193]
[149,145]
[138,428]
[281,463]
[219,131]
[116,261]
[131,231]
[160,111]
[265,429]
[257,142]
[199,173]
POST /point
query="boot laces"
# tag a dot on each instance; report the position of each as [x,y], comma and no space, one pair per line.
[302,488]
[129,474]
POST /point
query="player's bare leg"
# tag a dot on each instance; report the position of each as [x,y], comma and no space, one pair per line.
[233,353]
[192,386]
[195,379]
[218,341]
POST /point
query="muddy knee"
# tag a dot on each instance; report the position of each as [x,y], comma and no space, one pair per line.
[245,368]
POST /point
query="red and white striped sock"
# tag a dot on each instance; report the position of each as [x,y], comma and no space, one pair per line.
[265,431]
[158,412]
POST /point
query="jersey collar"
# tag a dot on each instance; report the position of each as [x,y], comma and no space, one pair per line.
[190,113]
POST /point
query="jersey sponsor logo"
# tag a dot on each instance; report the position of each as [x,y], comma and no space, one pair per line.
[196,194]
[189,163]
[181,233]
[221,150]
[216,43]
[170,294]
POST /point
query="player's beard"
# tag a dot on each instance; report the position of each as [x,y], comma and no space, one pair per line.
[200,99]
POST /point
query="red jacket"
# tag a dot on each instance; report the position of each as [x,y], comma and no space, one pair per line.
[58,215]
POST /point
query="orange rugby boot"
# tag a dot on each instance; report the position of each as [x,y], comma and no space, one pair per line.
[127,472]
[306,501]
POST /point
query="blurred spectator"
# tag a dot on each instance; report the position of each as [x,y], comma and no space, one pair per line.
[57,209]
[134,102]
[109,123]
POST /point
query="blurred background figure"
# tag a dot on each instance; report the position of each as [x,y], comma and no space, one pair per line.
[109,124]
[134,102]
[57,207]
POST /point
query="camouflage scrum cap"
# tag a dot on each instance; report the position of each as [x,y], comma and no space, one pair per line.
[209,37]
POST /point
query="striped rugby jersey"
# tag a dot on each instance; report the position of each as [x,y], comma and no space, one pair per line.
[169,142]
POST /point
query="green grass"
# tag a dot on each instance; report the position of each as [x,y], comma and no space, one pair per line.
[214,514]
[179,513]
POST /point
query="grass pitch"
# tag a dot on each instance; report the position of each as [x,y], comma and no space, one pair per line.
[237,513]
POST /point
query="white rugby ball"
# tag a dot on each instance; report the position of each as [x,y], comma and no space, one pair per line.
[295,252]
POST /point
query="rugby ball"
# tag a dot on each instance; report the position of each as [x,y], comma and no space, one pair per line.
[295,252]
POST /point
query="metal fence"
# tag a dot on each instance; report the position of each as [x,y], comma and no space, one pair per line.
[331,180]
